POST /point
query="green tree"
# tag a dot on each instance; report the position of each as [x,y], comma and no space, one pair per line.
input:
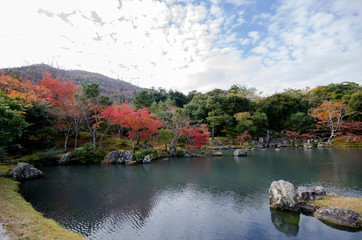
[142,100]
[12,120]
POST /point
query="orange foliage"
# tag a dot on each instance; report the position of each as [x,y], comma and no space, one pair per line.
[25,90]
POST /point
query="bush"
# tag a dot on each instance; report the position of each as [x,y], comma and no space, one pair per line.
[49,157]
[88,154]
[143,153]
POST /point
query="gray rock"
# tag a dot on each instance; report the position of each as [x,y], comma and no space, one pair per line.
[125,157]
[239,152]
[307,207]
[3,174]
[310,193]
[215,153]
[187,155]
[282,196]
[224,148]
[65,158]
[307,145]
[113,157]
[147,159]
[339,216]
[145,145]
[23,171]
[320,146]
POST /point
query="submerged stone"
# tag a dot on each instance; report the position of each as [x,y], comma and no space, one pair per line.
[339,216]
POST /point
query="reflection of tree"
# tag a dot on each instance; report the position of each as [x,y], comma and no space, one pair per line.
[286,222]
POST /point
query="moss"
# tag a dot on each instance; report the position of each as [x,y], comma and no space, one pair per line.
[351,203]
[22,221]
[4,167]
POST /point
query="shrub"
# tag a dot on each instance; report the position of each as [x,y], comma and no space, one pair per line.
[143,153]
[88,154]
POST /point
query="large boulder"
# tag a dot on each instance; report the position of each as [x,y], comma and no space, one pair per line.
[282,196]
[23,171]
[66,158]
[147,159]
[239,152]
[339,216]
[125,157]
[310,193]
[215,153]
[113,157]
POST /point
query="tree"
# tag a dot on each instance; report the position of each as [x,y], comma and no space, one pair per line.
[245,136]
[215,118]
[165,135]
[61,96]
[26,92]
[196,135]
[139,122]
[329,116]
[12,120]
[142,100]
[92,106]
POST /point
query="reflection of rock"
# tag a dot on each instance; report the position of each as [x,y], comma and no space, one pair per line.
[239,152]
[286,222]
[339,216]
[310,193]
[23,171]
[282,196]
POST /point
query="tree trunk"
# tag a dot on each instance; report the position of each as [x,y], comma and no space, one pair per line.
[100,141]
[76,139]
[133,145]
[94,138]
[138,139]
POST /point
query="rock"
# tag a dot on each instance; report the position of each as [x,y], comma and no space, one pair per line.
[113,157]
[3,174]
[282,196]
[202,152]
[131,163]
[239,152]
[215,153]
[310,193]
[145,145]
[23,171]
[125,157]
[307,207]
[173,151]
[165,159]
[164,154]
[223,148]
[339,216]
[277,149]
[307,145]
[320,146]
[65,159]
[147,159]
[186,154]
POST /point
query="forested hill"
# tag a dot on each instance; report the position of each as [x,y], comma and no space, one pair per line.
[108,86]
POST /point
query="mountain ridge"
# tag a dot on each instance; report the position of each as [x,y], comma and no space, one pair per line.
[108,86]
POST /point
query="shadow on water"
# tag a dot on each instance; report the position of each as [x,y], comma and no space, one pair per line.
[285,222]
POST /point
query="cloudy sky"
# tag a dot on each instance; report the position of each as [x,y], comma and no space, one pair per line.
[190,44]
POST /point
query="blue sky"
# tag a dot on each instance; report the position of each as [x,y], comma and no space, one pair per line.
[190,45]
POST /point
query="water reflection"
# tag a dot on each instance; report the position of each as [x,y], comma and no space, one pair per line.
[285,222]
[198,198]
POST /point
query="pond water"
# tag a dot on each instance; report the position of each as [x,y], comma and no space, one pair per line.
[199,198]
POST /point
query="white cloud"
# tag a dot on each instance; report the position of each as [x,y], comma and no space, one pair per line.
[191,45]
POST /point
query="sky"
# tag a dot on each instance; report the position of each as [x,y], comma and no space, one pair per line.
[190,44]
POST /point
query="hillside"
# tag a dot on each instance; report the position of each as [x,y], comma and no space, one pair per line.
[109,86]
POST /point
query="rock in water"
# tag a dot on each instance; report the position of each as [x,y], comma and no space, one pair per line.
[339,216]
[125,157]
[282,196]
[23,171]
[310,193]
[65,159]
[186,154]
[239,152]
[147,159]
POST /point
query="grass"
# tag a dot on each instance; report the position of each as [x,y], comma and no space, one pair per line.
[351,203]
[6,167]
[22,221]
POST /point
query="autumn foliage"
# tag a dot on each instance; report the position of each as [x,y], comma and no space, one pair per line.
[197,136]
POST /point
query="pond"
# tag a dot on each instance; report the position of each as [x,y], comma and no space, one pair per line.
[198,198]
